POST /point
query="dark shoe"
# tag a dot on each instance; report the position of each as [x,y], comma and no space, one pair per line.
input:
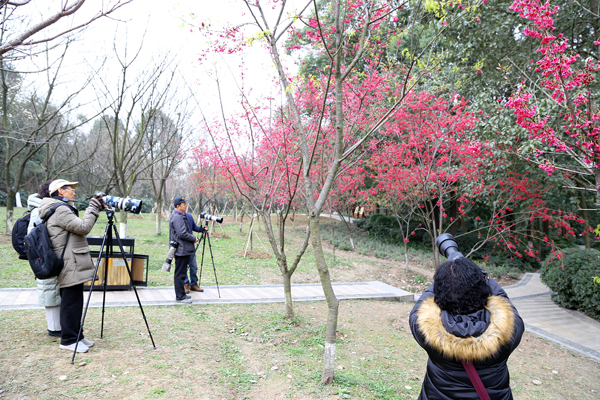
[54,333]
[187,296]
[184,301]
[186,287]
[197,288]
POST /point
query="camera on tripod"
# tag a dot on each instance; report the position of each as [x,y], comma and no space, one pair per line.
[209,217]
[126,204]
[171,253]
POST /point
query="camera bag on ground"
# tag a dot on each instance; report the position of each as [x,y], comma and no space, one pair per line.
[42,259]
[18,235]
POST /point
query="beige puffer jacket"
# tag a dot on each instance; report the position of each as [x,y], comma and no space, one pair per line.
[78,267]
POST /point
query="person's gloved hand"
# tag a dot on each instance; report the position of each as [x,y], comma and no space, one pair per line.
[97,203]
[203,229]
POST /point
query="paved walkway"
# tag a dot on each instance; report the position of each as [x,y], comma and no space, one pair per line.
[544,318]
[159,296]
[531,297]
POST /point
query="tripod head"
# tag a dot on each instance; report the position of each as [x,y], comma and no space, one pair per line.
[110,213]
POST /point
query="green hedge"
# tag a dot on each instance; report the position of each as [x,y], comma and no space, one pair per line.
[572,280]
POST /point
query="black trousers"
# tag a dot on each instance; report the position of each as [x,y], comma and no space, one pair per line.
[181,266]
[71,307]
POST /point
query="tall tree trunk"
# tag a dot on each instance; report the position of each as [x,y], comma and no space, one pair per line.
[123,223]
[287,292]
[584,214]
[10,209]
[158,215]
[597,178]
[332,301]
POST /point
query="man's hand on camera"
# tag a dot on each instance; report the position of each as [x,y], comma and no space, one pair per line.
[97,204]
[203,229]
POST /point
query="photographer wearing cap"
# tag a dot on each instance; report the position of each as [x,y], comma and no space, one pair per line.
[192,282]
[68,232]
[469,328]
[180,232]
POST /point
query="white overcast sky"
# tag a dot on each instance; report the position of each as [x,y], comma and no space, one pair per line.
[162,23]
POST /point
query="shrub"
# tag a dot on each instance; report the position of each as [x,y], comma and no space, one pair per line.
[587,292]
[571,279]
[380,254]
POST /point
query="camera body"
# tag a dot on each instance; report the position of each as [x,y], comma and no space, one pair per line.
[209,217]
[126,204]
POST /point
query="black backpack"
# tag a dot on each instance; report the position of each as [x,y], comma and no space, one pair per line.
[42,259]
[18,235]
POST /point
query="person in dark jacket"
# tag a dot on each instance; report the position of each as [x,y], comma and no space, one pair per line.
[465,317]
[180,232]
[192,282]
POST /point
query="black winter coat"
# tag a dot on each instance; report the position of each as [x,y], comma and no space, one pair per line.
[485,338]
[179,231]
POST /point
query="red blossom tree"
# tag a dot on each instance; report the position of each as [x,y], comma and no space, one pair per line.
[354,39]
[570,84]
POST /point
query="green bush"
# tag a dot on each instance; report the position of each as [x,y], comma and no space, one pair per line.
[587,292]
[571,280]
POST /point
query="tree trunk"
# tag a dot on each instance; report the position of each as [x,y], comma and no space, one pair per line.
[584,215]
[123,224]
[332,301]
[538,227]
[158,216]
[287,291]
[454,216]
[597,178]
[10,210]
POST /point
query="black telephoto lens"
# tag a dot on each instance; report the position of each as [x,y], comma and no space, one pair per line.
[448,246]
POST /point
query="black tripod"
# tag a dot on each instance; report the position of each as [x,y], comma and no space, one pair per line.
[108,241]
[205,238]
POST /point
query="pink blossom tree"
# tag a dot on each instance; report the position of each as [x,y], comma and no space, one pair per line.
[572,147]
[354,38]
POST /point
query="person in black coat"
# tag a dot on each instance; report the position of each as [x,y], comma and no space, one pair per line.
[179,231]
[465,317]
[192,282]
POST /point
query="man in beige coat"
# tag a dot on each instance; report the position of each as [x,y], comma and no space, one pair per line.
[65,228]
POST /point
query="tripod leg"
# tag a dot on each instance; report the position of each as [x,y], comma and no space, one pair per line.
[109,255]
[87,304]
[133,285]
[204,234]
[213,263]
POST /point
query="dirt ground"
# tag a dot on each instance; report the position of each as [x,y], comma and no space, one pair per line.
[249,351]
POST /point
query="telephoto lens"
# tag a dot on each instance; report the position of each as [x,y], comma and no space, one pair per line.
[209,217]
[126,204]
[172,248]
[448,246]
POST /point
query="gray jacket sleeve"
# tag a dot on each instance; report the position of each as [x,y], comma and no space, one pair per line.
[181,228]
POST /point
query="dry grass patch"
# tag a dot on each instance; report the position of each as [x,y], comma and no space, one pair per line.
[254,254]
[251,352]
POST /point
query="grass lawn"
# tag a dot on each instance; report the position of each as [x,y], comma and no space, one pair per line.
[250,351]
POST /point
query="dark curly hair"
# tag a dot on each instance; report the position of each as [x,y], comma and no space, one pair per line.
[44,189]
[460,287]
